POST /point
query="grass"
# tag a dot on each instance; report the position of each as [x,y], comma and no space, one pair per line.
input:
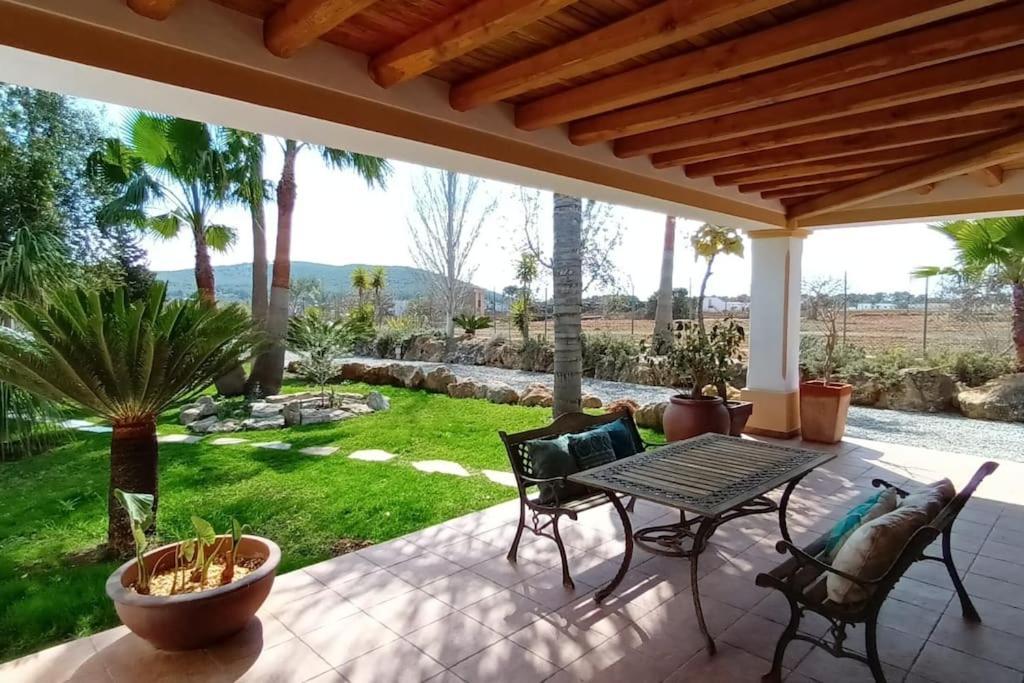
[54,510]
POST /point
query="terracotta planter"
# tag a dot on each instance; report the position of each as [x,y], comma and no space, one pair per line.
[687,417]
[739,413]
[823,409]
[194,620]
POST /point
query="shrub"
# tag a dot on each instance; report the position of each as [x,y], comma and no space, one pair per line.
[358,325]
[320,341]
[394,335]
[471,323]
[608,357]
[974,368]
[535,354]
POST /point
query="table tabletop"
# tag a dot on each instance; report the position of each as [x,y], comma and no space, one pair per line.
[707,475]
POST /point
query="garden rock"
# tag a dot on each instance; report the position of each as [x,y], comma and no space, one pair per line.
[467,388]
[650,415]
[203,407]
[353,372]
[254,423]
[377,401]
[202,426]
[311,416]
[188,415]
[423,347]
[288,398]
[502,394]
[999,399]
[623,405]
[408,376]
[264,409]
[537,395]
[591,401]
[920,389]
[438,380]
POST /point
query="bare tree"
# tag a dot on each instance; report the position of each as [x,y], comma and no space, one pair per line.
[448,222]
[600,236]
[819,293]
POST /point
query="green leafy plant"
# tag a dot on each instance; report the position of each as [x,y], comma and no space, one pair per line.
[706,357]
[141,515]
[320,341]
[358,325]
[609,357]
[471,323]
[521,316]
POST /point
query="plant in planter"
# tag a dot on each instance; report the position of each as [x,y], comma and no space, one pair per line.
[701,358]
[195,592]
[126,362]
[824,403]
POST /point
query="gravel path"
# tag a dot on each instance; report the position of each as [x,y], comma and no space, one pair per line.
[951,433]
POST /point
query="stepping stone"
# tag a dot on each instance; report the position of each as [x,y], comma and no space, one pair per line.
[228,441]
[503,478]
[441,467]
[178,438]
[319,451]
[372,456]
[76,424]
[96,429]
[273,445]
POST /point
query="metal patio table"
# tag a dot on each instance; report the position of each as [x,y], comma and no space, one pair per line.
[713,477]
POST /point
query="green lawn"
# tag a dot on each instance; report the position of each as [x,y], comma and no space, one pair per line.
[54,504]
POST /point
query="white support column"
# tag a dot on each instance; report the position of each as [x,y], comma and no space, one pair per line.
[773,372]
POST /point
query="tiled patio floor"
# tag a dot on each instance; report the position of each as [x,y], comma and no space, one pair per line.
[444,604]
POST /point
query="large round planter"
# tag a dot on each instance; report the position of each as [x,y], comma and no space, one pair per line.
[823,409]
[194,620]
[688,417]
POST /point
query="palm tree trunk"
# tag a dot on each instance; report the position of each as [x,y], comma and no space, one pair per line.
[662,340]
[205,284]
[133,469]
[259,263]
[268,370]
[567,272]
[1018,323]
[700,298]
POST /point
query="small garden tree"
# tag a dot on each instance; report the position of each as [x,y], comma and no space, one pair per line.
[710,242]
[320,341]
[125,362]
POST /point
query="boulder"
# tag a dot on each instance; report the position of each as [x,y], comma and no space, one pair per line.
[623,405]
[294,367]
[362,408]
[224,426]
[408,376]
[188,415]
[438,380]
[591,401]
[424,347]
[378,374]
[292,414]
[650,415]
[537,395]
[202,426]
[502,394]
[376,401]
[499,353]
[467,388]
[288,398]
[254,423]
[999,399]
[866,391]
[353,372]
[310,416]
[920,389]
[203,407]
[265,409]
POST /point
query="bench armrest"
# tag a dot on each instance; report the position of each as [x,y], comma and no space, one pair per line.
[804,559]
[877,483]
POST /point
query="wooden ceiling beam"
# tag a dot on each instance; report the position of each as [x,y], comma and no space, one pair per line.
[466,30]
[949,107]
[960,76]
[802,191]
[993,30]
[297,23]
[859,143]
[990,176]
[992,152]
[833,28]
[154,9]
[653,28]
[790,183]
[925,189]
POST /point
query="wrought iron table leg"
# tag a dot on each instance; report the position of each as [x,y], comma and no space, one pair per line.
[627,529]
[707,527]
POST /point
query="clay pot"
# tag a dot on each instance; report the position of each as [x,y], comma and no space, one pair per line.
[687,417]
[823,409]
[194,620]
[739,413]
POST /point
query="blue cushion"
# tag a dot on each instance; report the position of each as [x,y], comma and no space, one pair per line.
[847,525]
[623,442]
[591,448]
[551,458]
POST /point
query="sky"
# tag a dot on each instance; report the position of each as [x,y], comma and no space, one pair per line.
[338,220]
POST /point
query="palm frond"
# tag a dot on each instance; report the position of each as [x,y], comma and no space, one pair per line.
[221,237]
[373,170]
[166,226]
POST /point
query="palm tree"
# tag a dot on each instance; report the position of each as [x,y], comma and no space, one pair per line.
[526,273]
[661,342]
[268,369]
[178,165]
[249,188]
[360,282]
[990,247]
[567,271]
[378,280]
[125,362]
[710,242]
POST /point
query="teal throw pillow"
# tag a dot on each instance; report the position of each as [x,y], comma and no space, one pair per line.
[591,448]
[846,526]
[551,458]
[623,442]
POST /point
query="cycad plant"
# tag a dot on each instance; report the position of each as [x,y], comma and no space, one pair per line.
[125,362]
[990,247]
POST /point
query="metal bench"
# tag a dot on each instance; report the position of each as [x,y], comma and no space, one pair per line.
[545,517]
[798,580]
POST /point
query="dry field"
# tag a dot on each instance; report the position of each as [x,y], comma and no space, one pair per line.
[874,331]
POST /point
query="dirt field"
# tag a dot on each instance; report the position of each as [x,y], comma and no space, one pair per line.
[872,330]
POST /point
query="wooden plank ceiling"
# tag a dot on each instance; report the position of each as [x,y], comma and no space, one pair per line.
[819,104]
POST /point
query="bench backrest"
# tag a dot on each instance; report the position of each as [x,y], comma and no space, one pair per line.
[567,423]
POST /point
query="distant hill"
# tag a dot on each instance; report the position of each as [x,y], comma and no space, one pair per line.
[234,283]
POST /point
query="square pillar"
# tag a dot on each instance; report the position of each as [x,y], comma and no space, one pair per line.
[773,371]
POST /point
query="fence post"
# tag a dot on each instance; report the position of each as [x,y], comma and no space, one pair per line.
[924,340]
[846,307]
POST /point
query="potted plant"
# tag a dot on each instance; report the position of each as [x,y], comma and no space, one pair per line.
[700,358]
[824,403]
[193,593]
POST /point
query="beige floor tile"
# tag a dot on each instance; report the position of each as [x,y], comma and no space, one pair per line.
[349,638]
[392,552]
[979,640]
[130,659]
[453,638]
[462,589]
[373,589]
[339,570]
[409,611]
[312,611]
[547,589]
[505,573]
[435,537]
[821,666]
[558,641]
[728,665]
[292,661]
[262,633]
[424,569]
[53,664]
[472,551]
[759,636]
[505,612]
[946,665]
[397,662]
[290,587]
[506,662]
